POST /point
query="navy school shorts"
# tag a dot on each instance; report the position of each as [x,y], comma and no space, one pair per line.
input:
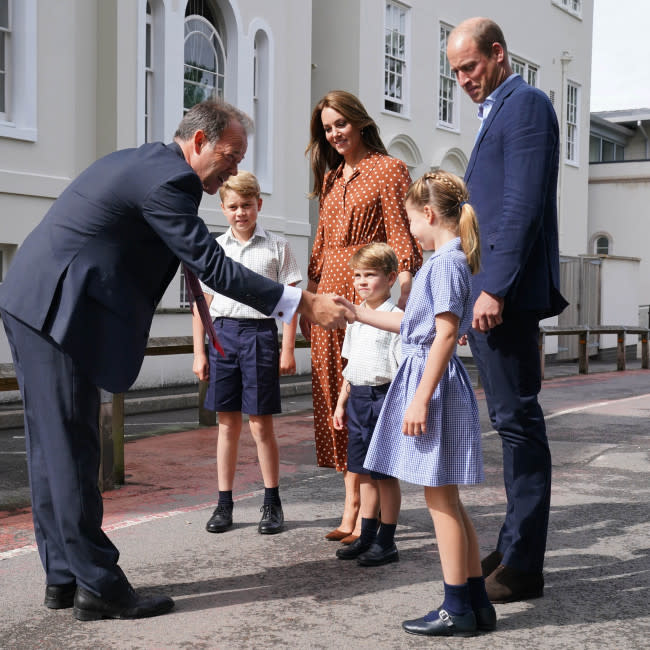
[247,379]
[363,407]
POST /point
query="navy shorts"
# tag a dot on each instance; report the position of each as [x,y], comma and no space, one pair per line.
[247,379]
[363,407]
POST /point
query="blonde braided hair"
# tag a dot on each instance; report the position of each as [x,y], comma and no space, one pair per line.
[448,195]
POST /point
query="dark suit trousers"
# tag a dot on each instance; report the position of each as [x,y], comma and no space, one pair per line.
[508,362]
[63,455]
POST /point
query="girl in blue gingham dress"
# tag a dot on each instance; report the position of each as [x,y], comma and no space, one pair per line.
[428,431]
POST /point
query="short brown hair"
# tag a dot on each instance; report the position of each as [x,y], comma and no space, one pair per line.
[244,183]
[375,256]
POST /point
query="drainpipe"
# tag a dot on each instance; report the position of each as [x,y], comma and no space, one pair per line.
[565,59]
[645,135]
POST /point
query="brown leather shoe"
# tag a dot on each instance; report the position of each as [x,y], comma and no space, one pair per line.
[507,585]
[337,535]
[490,562]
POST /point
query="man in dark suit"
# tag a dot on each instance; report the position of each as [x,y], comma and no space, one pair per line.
[512,182]
[77,305]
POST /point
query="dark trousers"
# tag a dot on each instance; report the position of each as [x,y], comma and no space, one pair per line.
[63,455]
[508,362]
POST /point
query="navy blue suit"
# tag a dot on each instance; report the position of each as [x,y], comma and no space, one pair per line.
[512,182]
[77,305]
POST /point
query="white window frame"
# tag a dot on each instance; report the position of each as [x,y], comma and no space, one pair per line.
[262,141]
[573,7]
[572,124]
[394,64]
[215,41]
[149,50]
[447,81]
[18,121]
[527,70]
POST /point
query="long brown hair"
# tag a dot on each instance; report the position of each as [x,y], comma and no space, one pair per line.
[322,156]
[447,193]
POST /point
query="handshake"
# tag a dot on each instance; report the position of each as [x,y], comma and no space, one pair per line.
[329,311]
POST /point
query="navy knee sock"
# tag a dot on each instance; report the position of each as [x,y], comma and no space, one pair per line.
[272,496]
[477,594]
[457,601]
[368,530]
[386,535]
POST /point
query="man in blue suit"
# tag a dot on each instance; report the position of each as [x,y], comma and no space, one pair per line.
[512,182]
[77,305]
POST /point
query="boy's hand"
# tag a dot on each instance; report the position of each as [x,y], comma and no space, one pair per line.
[201,367]
[349,306]
[287,363]
[339,418]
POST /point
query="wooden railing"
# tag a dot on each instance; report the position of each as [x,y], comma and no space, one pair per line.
[583,333]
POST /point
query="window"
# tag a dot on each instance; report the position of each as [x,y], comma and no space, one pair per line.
[447,92]
[571,141]
[262,140]
[572,6]
[527,71]
[604,150]
[18,52]
[148,76]
[602,245]
[204,55]
[5,57]
[395,58]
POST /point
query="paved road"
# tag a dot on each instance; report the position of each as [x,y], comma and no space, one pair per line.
[243,590]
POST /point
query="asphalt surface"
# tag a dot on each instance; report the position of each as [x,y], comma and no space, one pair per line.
[240,589]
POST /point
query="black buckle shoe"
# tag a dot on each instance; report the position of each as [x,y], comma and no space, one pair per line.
[60,596]
[221,520]
[441,623]
[272,521]
[88,607]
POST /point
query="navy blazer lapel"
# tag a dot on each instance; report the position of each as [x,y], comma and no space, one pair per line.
[511,86]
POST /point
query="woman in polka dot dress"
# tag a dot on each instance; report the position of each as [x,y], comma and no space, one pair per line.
[361,192]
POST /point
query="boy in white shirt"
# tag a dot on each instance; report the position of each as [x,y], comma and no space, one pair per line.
[247,378]
[373,358]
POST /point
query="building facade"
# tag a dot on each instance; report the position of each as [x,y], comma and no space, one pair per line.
[80,78]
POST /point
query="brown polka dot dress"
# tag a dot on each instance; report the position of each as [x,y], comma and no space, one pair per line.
[368,207]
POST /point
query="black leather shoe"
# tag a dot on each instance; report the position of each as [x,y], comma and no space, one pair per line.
[88,607]
[507,585]
[354,550]
[442,623]
[272,520]
[491,562]
[376,555]
[221,520]
[60,596]
[486,619]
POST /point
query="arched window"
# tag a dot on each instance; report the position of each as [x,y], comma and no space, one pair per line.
[602,245]
[262,109]
[204,55]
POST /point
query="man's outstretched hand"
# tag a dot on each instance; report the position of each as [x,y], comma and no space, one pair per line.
[324,310]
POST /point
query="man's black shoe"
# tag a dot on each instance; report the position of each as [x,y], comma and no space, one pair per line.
[272,520]
[60,596]
[221,519]
[88,607]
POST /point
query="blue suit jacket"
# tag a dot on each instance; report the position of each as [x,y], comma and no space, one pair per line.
[512,182]
[92,272]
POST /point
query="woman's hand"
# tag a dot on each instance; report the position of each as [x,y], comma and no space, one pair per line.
[305,327]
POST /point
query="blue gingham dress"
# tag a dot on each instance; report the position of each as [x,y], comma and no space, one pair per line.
[449,453]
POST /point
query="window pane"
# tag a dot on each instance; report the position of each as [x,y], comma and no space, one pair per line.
[3,107]
[4,14]
[620,152]
[594,149]
[608,151]
[602,246]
